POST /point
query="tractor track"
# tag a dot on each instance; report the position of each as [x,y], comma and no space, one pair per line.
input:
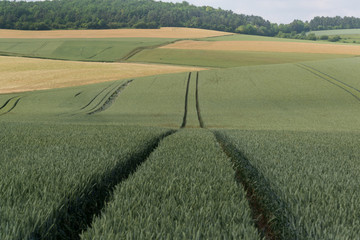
[269,212]
[107,95]
[111,98]
[96,54]
[340,84]
[186,101]
[201,122]
[93,99]
[76,214]
[8,102]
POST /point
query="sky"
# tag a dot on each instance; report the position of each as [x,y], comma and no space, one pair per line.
[284,11]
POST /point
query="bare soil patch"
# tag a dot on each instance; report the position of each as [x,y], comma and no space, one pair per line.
[27,74]
[168,32]
[264,46]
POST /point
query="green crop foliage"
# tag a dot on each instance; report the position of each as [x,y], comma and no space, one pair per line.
[225,59]
[282,97]
[315,173]
[185,190]
[108,50]
[46,166]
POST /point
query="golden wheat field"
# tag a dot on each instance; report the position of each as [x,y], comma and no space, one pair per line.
[267,46]
[29,74]
[166,32]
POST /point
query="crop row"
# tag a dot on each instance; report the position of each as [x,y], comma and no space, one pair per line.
[314,174]
[54,178]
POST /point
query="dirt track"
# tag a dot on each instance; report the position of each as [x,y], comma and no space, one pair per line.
[114,33]
[264,46]
[26,74]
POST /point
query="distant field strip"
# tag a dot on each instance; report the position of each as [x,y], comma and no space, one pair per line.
[166,32]
[267,46]
[91,49]
[225,59]
[346,87]
[9,105]
[24,74]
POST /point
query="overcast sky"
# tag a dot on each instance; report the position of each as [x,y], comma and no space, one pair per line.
[285,11]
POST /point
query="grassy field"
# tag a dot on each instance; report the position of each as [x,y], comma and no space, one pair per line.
[347,35]
[263,146]
[282,97]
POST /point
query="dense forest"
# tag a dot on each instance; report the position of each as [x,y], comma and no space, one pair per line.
[102,14]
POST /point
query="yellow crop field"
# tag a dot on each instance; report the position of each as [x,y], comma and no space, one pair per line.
[166,32]
[267,46]
[28,74]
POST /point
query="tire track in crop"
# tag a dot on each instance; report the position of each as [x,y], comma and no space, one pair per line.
[105,49]
[201,122]
[76,214]
[111,99]
[93,99]
[14,101]
[186,101]
[340,84]
[137,50]
[270,213]
[107,95]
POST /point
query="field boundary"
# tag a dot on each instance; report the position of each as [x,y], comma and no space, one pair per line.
[76,214]
[270,213]
[183,124]
[340,84]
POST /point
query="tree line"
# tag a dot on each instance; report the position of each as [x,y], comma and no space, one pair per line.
[111,14]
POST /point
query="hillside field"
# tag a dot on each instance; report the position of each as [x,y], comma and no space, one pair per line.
[245,140]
